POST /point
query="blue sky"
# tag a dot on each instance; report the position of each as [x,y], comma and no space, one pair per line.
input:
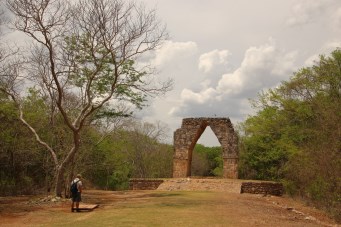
[221,53]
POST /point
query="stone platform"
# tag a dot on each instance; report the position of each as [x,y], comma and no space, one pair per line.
[87,207]
[201,184]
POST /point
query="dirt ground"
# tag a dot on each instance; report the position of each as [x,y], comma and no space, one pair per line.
[242,209]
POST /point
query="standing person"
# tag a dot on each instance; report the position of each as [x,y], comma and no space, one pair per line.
[76,191]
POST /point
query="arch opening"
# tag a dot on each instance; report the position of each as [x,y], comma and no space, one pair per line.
[206,159]
[208,138]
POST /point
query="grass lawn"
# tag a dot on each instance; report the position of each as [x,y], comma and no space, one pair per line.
[152,209]
[159,208]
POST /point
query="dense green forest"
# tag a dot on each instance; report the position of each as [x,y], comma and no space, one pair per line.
[295,136]
[108,156]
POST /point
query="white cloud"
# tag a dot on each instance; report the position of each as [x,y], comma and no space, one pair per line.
[262,67]
[171,51]
[231,83]
[208,61]
[176,60]
[202,97]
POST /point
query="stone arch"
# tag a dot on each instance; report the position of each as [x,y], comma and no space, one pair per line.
[187,136]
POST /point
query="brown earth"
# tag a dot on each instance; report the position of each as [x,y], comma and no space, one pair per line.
[248,209]
[293,209]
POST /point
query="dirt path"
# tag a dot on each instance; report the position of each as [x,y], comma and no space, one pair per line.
[165,207]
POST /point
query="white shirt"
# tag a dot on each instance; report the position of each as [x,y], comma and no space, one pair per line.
[79,183]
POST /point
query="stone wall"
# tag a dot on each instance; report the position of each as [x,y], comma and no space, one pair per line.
[266,188]
[208,184]
[144,184]
[186,137]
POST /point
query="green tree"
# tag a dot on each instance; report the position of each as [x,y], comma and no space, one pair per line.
[103,163]
[267,143]
[207,161]
[25,166]
[83,56]
[132,149]
[296,134]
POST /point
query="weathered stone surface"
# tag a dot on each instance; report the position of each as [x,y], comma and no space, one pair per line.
[144,184]
[187,136]
[201,184]
[266,188]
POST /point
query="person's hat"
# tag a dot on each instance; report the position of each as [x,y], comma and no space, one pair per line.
[79,175]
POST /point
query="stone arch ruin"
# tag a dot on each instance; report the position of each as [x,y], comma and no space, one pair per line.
[187,136]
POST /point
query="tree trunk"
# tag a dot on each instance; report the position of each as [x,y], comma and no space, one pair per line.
[60,170]
[59,180]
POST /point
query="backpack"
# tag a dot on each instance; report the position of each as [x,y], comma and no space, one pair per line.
[73,188]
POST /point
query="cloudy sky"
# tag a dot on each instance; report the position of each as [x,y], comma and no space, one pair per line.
[222,53]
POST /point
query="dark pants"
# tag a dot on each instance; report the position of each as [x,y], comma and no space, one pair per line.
[76,197]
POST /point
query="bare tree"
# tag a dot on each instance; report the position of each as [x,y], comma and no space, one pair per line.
[146,153]
[88,50]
